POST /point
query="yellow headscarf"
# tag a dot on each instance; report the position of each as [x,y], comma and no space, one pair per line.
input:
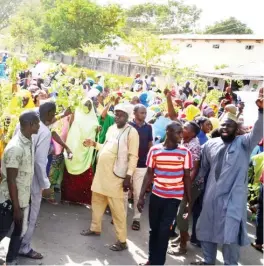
[191,112]
[215,122]
[16,102]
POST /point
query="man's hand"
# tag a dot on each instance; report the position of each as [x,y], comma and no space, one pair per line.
[18,217]
[259,101]
[241,107]
[141,203]
[127,183]
[67,112]
[89,143]
[69,153]
[98,129]
[167,92]
[187,212]
[46,193]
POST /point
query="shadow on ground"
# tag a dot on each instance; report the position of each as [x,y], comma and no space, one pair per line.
[58,238]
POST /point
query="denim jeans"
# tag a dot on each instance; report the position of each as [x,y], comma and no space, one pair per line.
[6,220]
[162,212]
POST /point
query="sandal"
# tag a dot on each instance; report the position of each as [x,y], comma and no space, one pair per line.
[177,252]
[198,263]
[118,246]
[90,233]
[175,242]
[32,254]
[135,226]
[257,247]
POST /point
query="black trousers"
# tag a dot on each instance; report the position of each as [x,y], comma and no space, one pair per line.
[162,212]
[6,221]
[196,211]
[259,220]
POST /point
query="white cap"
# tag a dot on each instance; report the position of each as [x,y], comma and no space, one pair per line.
[124,107]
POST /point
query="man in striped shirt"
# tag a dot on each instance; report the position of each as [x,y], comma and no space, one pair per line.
[169,167]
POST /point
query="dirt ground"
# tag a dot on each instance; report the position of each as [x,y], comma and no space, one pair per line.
[58,238]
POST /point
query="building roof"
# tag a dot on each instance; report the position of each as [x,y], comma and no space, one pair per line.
[213,37]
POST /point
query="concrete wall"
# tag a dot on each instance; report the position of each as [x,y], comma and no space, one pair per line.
[105,65]
[202,53]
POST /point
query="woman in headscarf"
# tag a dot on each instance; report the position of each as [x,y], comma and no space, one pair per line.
[22,99]
[143,98]
[191,111]
[78,175]
[205,128]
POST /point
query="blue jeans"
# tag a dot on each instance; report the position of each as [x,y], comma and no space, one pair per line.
[162,212]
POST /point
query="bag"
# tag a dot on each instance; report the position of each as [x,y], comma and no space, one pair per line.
[120,166]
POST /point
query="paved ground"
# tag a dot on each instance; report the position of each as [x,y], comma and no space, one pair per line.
[58,237]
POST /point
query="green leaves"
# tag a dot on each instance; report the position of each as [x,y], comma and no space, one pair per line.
[15,65]
[229,26]
[172,17]
[8,8]
[76,23]
[148,47]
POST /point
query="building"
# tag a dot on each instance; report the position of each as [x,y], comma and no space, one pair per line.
[211,51]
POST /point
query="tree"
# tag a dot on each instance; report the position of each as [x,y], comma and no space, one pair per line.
[28,35]
[72,24]
[229,26]
[7,9]
[173,17]
[148,47]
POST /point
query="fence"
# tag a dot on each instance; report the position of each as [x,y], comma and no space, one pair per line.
[105,65]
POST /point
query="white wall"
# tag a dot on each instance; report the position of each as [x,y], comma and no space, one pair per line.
[206,57]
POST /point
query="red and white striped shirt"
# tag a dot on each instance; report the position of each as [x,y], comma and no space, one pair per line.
[169,168]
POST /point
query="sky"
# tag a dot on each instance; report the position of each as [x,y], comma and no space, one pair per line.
[249,12]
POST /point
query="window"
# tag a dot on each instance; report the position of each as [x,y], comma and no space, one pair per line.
[249,47]
[216,46]
[189,45]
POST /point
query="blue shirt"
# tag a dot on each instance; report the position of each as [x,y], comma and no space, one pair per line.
[202,137]
[145,136]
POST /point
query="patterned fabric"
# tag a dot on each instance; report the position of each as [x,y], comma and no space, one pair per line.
[77,188]
[169,168]
[20,155]
[195,148]
[56,172]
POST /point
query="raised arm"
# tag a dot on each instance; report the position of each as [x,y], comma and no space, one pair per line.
[251,139]
[171,111]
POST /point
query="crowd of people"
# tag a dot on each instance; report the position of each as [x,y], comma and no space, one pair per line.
[192,157]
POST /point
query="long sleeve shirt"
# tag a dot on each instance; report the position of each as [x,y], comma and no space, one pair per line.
[105,181]
[42,145]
